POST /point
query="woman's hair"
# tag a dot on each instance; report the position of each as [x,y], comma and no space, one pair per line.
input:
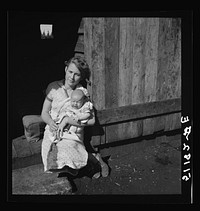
[82,66]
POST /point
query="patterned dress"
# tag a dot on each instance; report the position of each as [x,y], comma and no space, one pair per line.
[70,150]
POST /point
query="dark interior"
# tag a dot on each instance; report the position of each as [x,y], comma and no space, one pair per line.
[34,62]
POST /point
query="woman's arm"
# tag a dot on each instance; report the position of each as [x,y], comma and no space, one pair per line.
[69,120]
[83,116]
[90,122]
[46,116]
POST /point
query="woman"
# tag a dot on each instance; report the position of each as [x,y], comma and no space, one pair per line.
[69,154]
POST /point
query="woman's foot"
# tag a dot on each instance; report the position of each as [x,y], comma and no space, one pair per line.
[104,169]
[104,166]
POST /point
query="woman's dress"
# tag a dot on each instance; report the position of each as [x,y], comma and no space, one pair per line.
[70,150]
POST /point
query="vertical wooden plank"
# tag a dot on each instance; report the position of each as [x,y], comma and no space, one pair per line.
[98,66]
[173,45]
[163,53]
[169,59]
[136,62]
[111,62]
[170,63]
[141,41]
[139,36]
[88,48]
[162,60]
[178,47]
[173,121]
[176,76]
[112,71]
[161,85]
[128,129]
[125,72]
[111,133]
[150,56]
[177,121]
[174,69]
[125,62]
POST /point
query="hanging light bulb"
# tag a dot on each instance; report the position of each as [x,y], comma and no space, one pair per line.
[46,31]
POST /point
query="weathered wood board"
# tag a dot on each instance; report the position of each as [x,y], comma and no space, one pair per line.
[134,60]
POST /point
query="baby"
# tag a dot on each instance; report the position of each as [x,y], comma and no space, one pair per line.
[79,109]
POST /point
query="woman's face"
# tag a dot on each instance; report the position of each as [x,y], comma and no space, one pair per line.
[72,75]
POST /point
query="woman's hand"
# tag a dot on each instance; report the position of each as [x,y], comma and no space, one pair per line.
[61,127]
[53,126]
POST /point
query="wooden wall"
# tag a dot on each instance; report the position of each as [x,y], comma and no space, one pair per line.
[133,61]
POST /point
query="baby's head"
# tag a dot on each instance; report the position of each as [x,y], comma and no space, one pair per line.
[77,98]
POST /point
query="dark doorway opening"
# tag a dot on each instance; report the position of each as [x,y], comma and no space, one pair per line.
[34,62]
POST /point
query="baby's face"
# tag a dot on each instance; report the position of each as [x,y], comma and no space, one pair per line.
[77,102]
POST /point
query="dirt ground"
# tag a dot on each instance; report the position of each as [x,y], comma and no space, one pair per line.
[144,167]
